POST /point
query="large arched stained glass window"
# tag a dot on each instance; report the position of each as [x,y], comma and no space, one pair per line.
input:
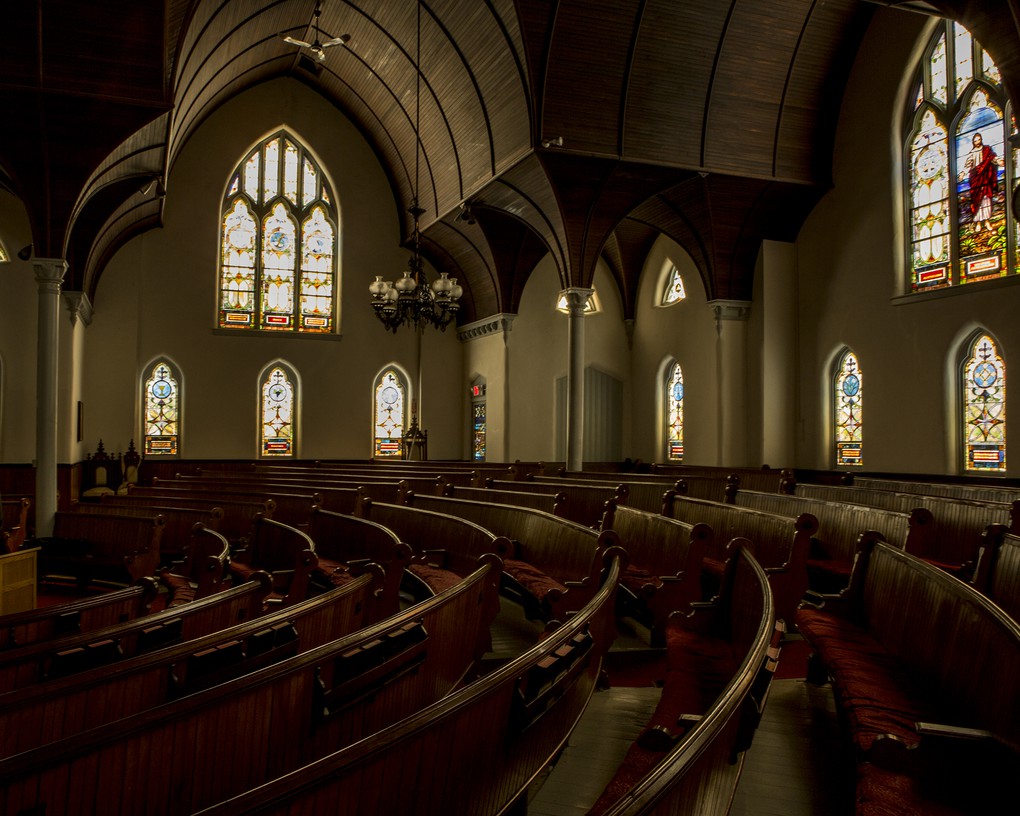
[848,411]
[161,410]
[390,410]
[674,414]
[278,403]
[960,166]
[278,242]
[984,406]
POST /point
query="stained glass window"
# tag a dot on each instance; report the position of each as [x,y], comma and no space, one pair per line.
[478,420]
[390,408]
[161,409]
[278,239]
[848,416]
[277,411]
[959,166]
[984,407]
[675,414]
[674,291]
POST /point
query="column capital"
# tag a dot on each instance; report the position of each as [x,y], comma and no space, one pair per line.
[730,309]
[577,298]
[49,273]
[80,307]
[502,322]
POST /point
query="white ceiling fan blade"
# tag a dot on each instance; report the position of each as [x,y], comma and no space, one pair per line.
[341,40]
[293,41]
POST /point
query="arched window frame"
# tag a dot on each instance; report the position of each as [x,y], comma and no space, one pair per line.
[162,390]
[673,411]
[847,410]
[390,376]
[279,243]
[982,383]
[972,250]
[477,394]
[279,432]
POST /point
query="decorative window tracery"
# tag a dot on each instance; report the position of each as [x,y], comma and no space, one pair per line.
[674,394]
[278,411]
[161,410]
[848,405]
[390,409]
[674,291]
[278,241]
[984,407]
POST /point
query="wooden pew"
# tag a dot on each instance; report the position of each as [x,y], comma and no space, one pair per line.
[958,525]
[77,616]
[840,529]
[203,571]
[651,495]
[474,751]
[292,505]
[546,502]
[100,546]
[220,742]
[997,575]
[581,503]
[663,573]
[720,660]
[14,522]
[764,479]
[555,565]
[239,512]
[60,708]
[285,552]
[953,490]
[780,543]
[36,662]
[345,545]
[177,523]
[924,672]
[340,496]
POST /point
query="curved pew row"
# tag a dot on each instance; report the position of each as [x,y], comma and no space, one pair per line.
[60,708]
[292,505]
[582,502]
[78,616]
[220,742]
[780,543]
[327,482]
[475,751]
[841,529]
[645,493]
[958,525]
[974,492]
[554,566]
[997,576]
[924,672]
[721,657]
[49,659]
[239,512]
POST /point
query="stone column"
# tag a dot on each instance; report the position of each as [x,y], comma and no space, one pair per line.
[577,301]
[49,273]
[731,363]
[779,352]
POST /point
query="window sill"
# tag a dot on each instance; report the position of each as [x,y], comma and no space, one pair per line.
[279,335]
[955,291]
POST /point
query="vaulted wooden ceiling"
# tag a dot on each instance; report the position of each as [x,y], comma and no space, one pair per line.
[582,128]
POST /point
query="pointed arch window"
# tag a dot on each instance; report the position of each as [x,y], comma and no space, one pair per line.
[389,412]
[674,290]
[278,406]
[278,242]
[847,403]
[161,410]
[959,166]
[478,420]
[984,406]
[674,394]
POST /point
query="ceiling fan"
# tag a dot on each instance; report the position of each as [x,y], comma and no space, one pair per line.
[317,47]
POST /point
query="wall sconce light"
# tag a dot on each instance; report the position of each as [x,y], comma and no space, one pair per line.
[556,141]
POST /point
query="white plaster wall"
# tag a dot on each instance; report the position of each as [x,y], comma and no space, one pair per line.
[685,331]
[158,296]
[852,256]
[487,357]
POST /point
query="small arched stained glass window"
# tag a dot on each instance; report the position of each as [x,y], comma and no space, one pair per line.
[478,420]
[674,291]
[277,412]
[278,239]
[984,411]
[675,414]
[390,409]
[848,412]
[161,407]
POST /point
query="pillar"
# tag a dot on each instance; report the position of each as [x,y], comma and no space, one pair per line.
[49,273]
[577,301]
[731,363]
